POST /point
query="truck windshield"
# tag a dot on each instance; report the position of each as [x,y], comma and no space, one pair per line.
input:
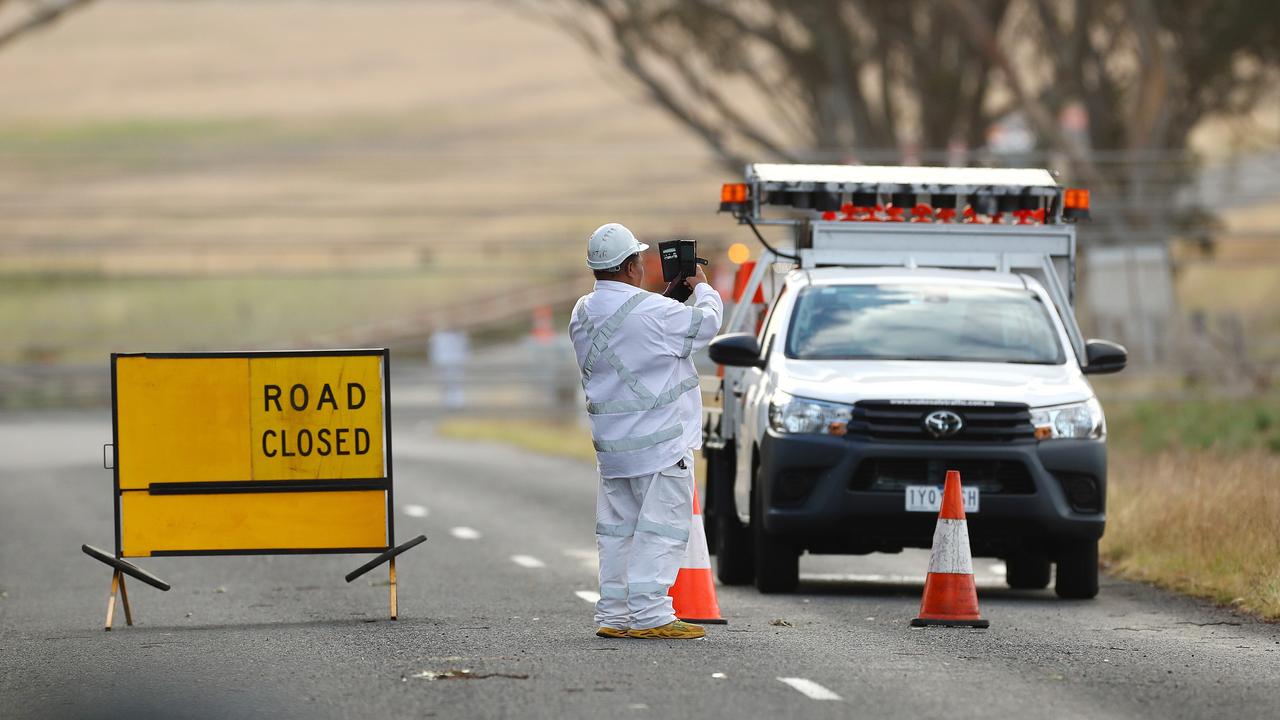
[922,322]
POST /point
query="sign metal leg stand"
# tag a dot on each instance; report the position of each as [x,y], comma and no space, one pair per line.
[117,582]
[124,599]
[111,601]
[120,568]
[388,556]
[392,565]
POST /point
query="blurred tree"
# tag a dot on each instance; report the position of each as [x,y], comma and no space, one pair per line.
[19,17]
[1112,86]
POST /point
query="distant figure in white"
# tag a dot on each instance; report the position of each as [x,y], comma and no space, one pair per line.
[449,351]
[645,406]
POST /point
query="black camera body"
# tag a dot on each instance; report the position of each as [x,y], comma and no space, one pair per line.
[679,259]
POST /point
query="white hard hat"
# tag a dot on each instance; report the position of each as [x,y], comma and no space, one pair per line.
[610,244]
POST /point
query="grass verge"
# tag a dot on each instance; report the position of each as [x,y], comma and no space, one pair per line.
[565,439]
[1198,522]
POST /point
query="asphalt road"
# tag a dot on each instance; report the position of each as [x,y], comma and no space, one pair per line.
[495,591]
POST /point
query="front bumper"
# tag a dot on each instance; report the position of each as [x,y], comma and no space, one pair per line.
[811,498]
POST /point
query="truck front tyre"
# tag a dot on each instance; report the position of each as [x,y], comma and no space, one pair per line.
[777,561]
[734,562]
[1027,572]
[1077,570]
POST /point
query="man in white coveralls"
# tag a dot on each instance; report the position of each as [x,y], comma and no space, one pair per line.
[633,348]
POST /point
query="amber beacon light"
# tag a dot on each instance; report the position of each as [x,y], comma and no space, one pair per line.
[733,196]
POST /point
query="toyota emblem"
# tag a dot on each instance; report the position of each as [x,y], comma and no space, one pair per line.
[943,423]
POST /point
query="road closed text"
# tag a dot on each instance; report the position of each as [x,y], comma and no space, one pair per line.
[324,441]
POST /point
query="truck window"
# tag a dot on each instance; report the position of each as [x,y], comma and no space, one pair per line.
[922,322]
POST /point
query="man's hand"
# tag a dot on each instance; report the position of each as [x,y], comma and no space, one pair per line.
[677,290]
[697,279]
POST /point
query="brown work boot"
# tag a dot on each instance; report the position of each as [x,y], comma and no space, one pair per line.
[675,630]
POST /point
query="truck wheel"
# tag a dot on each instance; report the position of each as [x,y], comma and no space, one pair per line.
[777,561]
[734,562]
[1078,571]
[719,483]
[1027,572]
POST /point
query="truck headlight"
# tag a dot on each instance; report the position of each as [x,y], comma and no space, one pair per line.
[1078,420]
[800,415]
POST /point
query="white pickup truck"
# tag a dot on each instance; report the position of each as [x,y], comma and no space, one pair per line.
[920,322]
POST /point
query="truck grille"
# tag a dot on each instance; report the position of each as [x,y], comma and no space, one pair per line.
[893,420]
[1009,477]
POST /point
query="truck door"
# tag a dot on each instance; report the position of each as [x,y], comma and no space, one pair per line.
[752,402]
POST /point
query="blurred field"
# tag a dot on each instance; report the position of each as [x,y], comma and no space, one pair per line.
[196,174]
[1241,277]
[79,318]
[1191,423]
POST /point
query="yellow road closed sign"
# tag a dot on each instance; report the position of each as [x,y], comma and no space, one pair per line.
[250,453]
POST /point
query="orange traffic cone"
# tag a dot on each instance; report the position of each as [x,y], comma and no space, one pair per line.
[694,592]
[950,597]
[542,331]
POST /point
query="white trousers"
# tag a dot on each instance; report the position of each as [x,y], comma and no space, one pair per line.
[642,528]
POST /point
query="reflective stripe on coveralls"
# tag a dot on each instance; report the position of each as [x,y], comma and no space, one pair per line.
[622,406]
[610,592]
[663,530]
[645,400]
[694,324]
[648,587]
[600,338]
[670,432]
[615,530]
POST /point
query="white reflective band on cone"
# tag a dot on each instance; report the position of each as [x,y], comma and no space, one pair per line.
[696,556]
[951,548]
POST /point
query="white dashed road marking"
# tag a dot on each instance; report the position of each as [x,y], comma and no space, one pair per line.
[810,689]
[527,561]
[588,595]
[415,510]
[865,578]
[464,533]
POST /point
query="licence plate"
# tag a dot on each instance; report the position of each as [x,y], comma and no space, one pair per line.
[928,498]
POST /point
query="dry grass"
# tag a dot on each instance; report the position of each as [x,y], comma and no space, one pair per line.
[563,439]
[1204,523]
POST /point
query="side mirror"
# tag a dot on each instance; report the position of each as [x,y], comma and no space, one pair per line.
[1104,357]
[736,350]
